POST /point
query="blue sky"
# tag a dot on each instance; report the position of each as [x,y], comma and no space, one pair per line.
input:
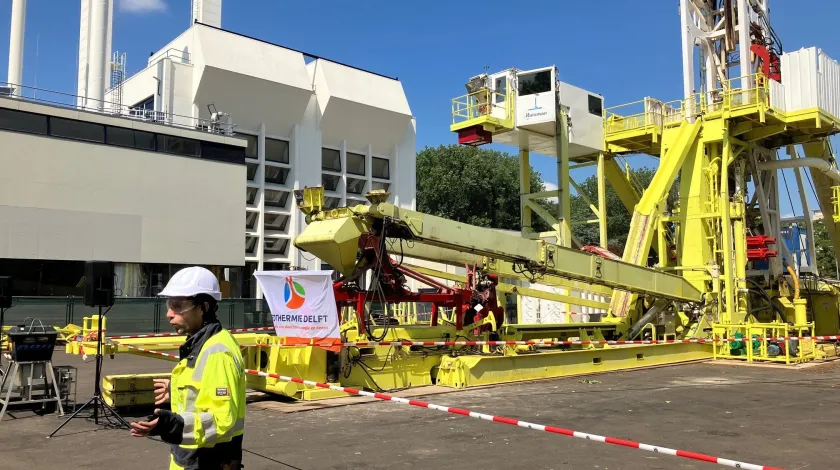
[623,49]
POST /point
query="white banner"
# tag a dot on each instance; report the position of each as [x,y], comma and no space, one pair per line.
[302,304]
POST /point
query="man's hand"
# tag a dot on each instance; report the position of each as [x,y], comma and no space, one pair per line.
[161,391]
[144,428]
[166,424]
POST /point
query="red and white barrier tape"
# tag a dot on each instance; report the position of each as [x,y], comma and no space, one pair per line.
[174,356]
[165,335]
[518,343]
[501,419]
[546,343]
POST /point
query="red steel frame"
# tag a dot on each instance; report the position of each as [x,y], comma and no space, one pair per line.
[392,279]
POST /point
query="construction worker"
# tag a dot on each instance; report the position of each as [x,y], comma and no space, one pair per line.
[206,423]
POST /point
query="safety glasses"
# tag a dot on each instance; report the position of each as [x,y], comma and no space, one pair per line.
[179,305]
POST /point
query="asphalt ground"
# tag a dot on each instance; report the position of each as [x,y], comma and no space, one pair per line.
[763,415]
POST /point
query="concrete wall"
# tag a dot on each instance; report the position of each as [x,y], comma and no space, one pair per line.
[70,200]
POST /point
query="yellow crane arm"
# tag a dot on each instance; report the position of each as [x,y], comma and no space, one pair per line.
[333,236]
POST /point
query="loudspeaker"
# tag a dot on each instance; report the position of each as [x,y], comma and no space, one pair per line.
[99,283]
[5,292]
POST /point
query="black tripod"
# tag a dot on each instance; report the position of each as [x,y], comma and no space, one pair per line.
[2,351]
[96,401]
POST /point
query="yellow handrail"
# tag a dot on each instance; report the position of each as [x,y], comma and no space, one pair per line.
[658,114]
[482,103]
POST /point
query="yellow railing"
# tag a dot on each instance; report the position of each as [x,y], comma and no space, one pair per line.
[643,113]
[482,104]
[656,114]
[757,342]
[835,199]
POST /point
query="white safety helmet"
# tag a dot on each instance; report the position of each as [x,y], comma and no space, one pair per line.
[192,281]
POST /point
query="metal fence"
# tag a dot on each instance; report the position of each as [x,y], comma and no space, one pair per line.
[130,314]
[222,125]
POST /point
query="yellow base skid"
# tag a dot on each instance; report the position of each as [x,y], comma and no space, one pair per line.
[472,371]
[751,350]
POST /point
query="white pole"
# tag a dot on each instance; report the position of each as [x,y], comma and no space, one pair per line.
[98,57]
[16,45]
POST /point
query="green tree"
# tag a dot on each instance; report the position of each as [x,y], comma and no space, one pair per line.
[480,187]
[473,185]
[825,250]
[618,217]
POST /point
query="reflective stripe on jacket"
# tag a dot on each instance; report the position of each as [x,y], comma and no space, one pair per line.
[207,390]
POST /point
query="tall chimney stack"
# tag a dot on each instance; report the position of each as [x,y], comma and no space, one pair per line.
[94,52]
[16,45]
[208,12]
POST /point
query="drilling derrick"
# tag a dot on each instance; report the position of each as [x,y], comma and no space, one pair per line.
[746,101]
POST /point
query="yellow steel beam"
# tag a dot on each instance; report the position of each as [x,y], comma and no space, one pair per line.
[503,269]
[564,227]
[763,132]
[643,223]
[602,201]
[472,371]
[621,185]
[585,198]
[540,294]
[536,255]
[726,226]
[525,188]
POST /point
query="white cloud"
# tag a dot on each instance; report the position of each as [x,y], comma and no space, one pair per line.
[142,6]
[551,187]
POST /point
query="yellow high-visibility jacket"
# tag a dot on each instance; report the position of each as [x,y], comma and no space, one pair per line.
[207,393]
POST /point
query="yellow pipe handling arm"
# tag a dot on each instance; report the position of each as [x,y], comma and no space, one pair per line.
[333,236]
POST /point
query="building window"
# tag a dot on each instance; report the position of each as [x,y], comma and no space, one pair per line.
[534,82]
[251,195]
[177,145]
[275,198]
[276,221]
[252,150]
[130,138]
[222,152]
[12,120]
[276,174]
[276,150]
[119,136]
[77,130]
[355,185]
[251,220]
[276,246]
[330,159]
[352,201]
[250,245]
[596,105]
[381,168]
[331,202]
[375,185]
[330,182]
[252,170]
[148,103]
[501,89]
[355,164]
[275,266]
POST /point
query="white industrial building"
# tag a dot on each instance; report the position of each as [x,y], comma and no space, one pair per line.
[303,121]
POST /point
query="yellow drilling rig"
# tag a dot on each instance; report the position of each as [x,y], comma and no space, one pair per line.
[708,274]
